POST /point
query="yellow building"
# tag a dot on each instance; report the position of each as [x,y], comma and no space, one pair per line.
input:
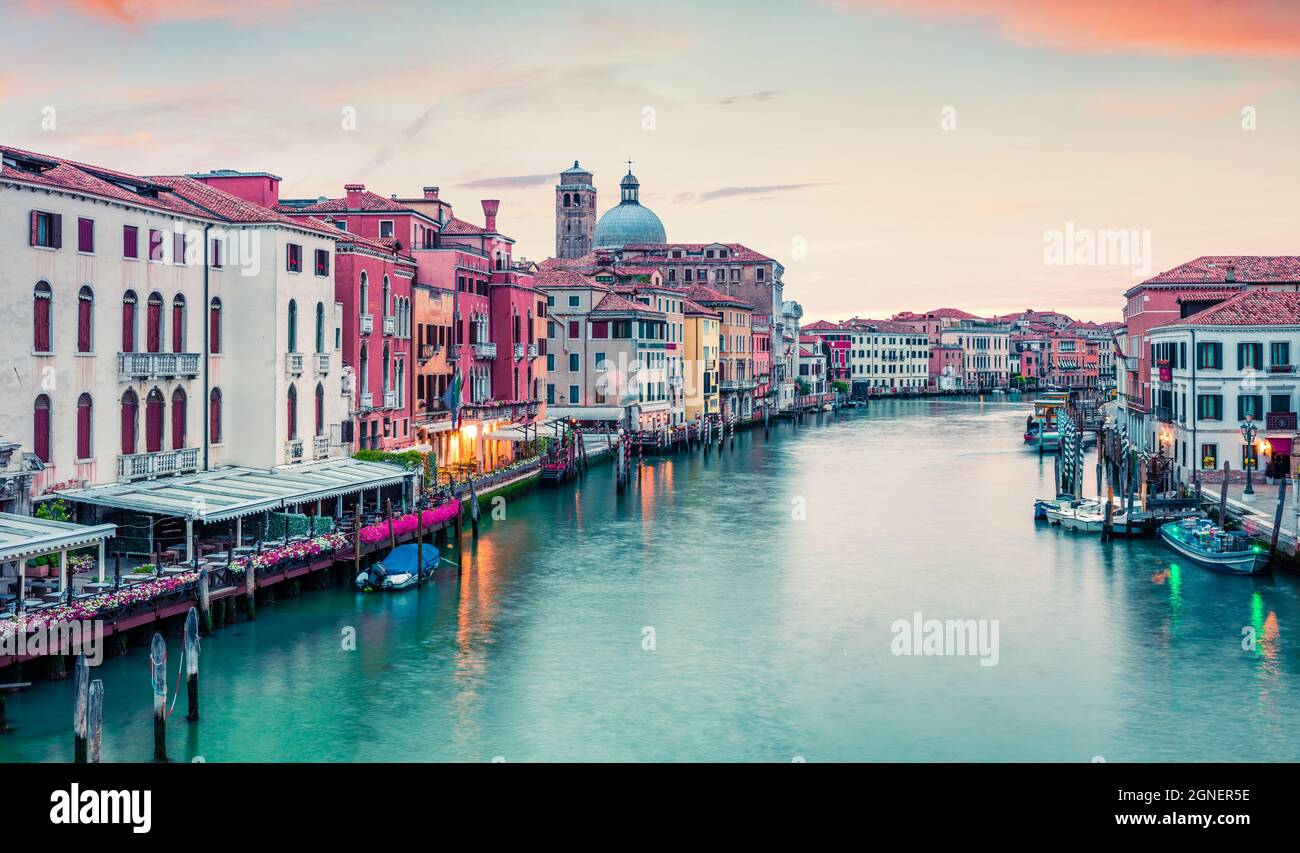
[736,379]
[700,360]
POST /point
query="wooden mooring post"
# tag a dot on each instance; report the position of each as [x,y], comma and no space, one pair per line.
[250,589]
[158,673]
[392,536]
[205,601]
[1223,495]
[94,720]
[1277,520]
[192,663]
[419,542]
[356,546]
[80,708]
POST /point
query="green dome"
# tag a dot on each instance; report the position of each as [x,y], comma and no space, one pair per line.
[630,222]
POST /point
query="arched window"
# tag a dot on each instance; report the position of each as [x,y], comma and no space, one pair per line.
[320,409]
[364,301]
[214,416]
[41,428]
[42,296]
[153,421]
[85,318]
[363,380]
[154,323]
[320,327]
[128,321]
[566,199]
[292,412]
[85,419]
[214,325]
[178,419]
[387,295]
[293,325]
[130,408]
[383,371]
[178,323]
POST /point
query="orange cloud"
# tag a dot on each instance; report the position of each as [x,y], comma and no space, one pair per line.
[1167,27]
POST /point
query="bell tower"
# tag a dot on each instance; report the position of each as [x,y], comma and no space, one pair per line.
[575,213]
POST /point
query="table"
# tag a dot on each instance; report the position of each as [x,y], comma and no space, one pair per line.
[96,587]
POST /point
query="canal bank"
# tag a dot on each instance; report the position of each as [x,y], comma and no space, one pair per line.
[739,607]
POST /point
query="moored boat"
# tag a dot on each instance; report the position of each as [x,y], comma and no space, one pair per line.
[1208,545]
[398,569]
[1086,516]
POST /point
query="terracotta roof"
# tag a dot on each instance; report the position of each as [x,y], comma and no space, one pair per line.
[97,181]
[1207,295]
[232,208]
[558,277]
[369,203]
[708,296]
[1251,308]
[615,304]
[459,226]
[735,251]
[696,308]
[822,326]
[1250,269]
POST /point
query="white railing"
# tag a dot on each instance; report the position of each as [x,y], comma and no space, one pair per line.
[390,399]
[322,363]
[488,350]
[293,362]
[390,325]
[293,450]
[149,365]
[532,350]
[367,401]
[367,324]
[138,466]
[320,446]
[519,351]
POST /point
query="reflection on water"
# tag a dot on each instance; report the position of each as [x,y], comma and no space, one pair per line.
[771,625]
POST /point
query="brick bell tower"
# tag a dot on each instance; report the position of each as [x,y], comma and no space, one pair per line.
[575,213]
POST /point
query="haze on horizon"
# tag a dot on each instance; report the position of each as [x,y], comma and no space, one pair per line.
[892,155]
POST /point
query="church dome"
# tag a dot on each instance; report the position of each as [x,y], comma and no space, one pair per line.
[630,222]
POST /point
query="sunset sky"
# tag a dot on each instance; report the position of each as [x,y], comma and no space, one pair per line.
[774,124]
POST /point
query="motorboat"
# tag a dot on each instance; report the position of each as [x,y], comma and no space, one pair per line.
[399,569]
[1086,516]
[1208,545]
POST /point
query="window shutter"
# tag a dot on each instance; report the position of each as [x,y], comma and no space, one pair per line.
[83,324]
[56,230]
[83,430]
[35,228]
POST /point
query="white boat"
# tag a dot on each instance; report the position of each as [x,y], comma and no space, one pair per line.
[1086,516]
[1206,544]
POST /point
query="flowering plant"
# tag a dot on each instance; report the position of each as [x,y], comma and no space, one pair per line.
[404,524]
[326,544]
[97,605]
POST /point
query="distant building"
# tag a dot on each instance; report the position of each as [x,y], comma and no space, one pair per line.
[575,213]
[986,350]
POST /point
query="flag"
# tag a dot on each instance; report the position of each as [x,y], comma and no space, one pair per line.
[451,399]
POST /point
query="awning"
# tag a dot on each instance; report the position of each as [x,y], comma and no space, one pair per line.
[22,536]
[586,413]
[233,492]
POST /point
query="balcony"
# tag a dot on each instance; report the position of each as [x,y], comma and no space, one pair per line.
[293,450]
[390,326]
[293,363]
[367,324]
[156,365]
[428,351]
[1164,415]
[366,402]
[390,399]
[320,446]
[488,350]
[322,363]
[532,351]
[519,351]
[1281,368]
[146,466]
[1280,422]
[738,384]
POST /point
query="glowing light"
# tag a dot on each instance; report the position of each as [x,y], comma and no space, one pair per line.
[469,431]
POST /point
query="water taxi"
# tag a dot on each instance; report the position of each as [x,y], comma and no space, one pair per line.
[1208,545]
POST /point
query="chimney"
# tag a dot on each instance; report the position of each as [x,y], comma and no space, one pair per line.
[490,206]
[1230,273]
[431,193]
[354,192]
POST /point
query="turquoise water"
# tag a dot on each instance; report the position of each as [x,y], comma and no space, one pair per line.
[771,627]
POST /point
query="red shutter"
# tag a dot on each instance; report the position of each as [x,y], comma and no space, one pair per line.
[130,242]
[56,230]
[85,235]
[178,421]
[214,329]
[292,410]
[83,430]
[41,324]
[41,429]
[320,410]
[83,324]
[214,419]
[128,425]
[153,424]
[178,328]
[35,223]
[178,248]
[153,340]
[128,326]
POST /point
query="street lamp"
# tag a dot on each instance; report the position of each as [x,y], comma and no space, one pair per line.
[1248,431]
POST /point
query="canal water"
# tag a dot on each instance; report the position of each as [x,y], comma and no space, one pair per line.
[740,608]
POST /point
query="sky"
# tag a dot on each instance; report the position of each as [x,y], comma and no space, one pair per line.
[891,154]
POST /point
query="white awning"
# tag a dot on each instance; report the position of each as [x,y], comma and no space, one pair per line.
[231,492]
[22,536]
[587,413]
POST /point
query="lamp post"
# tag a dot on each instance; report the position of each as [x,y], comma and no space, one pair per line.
[1248,431]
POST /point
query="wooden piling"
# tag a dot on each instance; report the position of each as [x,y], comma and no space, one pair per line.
[460,552]
[192,663]
[1223,495]
[80,705]
[1277,519]
[356,546]
[419,542]
[473,510]
[94,720]
[205,601]
[250,589]
[392,535]
[158,671]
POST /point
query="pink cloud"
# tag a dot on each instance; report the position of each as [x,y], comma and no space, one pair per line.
[1166,27]
[144,12]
